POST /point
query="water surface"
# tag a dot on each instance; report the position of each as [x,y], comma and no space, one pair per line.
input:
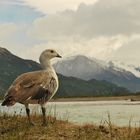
[121,112]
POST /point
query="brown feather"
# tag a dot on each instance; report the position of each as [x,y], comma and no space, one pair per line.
[27,86]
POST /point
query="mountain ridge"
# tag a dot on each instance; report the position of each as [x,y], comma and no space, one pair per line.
[89,68]
[12,66]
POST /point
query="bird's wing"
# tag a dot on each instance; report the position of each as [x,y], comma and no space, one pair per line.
[28,79]
[31,85]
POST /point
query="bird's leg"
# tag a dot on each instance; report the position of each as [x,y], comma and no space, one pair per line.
[28,114]
[43,114]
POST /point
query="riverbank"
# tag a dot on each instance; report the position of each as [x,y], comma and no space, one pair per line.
[16,127]
[100,98]
[97,98]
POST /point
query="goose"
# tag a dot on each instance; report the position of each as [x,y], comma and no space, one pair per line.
[36,87]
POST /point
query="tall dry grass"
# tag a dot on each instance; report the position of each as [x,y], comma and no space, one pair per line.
[16,127]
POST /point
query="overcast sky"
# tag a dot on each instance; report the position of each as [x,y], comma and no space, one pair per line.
[104,29]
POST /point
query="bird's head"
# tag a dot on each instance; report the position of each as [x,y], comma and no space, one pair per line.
[47,55]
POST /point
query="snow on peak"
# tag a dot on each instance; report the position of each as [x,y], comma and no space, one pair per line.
[128,67]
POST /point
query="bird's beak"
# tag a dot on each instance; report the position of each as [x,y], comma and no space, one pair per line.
[59,56]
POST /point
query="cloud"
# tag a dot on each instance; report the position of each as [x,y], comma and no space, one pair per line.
[6,30]
[96,30]
[11,2]
[52,6]
[102,29]
[104,18]
[9,37]
[15,11]
[100,47]
[128,52]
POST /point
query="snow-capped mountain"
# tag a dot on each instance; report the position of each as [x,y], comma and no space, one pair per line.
[12,66]
[129,67]
[89,68]
[80,67]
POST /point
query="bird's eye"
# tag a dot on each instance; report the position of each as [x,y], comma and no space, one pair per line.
[52,51]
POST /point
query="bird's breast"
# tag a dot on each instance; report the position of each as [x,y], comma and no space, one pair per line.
[54,84]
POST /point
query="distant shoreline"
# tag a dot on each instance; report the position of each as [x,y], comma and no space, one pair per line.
[101,98]
[110,98]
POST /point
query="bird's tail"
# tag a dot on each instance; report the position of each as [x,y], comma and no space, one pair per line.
[9,101]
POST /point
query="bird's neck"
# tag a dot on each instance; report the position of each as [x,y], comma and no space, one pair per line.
[48,66]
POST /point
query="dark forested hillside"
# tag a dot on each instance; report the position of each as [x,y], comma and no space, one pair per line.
[11,66]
